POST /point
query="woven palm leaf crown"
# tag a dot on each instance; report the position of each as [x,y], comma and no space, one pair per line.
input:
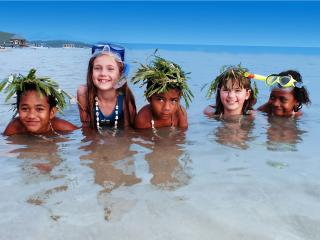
[17,84]
[231,72]
[162,75]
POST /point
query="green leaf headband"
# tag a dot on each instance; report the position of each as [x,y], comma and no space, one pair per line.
[230,72]
[162,75]
[19,83]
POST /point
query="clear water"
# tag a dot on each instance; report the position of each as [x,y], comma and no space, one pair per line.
[236,179]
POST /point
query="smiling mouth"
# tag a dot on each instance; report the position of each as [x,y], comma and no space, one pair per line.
[32,123]
[104,80]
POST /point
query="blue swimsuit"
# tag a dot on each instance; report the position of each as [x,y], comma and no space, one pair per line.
[109,120]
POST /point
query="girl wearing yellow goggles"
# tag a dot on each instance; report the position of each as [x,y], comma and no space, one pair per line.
[287,94]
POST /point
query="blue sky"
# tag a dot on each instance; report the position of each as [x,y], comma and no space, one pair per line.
[182,22]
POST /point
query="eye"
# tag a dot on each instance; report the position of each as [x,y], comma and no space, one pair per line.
[238,90]
[174,101]
[24,109]
[39,109]
[272,97]
[97,68]
[284,100]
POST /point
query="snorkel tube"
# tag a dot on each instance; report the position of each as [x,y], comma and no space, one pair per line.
[255,76]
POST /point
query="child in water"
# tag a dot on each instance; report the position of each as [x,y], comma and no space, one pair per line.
[37,102]
[166,83]
[234,94]
[106,99]
[287,96]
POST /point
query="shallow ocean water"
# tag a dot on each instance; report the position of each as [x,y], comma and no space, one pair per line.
[235,179]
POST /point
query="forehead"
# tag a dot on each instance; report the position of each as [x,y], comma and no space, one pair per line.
[32,97]
[172,93]
[105,59]
[231,84]
[282,93]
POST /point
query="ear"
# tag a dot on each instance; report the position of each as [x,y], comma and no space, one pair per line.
[248,93]
[53,112]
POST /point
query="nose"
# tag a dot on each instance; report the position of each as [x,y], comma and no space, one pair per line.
[276,103]
[31,114]
[166,106]
[104,72]
[231,93]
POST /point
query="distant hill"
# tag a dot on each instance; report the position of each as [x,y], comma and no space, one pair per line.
[5,37]
[59,43]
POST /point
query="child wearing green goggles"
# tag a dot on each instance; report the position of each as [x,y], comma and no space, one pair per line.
[287,94]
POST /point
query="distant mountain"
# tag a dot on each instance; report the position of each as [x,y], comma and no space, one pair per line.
[5,37]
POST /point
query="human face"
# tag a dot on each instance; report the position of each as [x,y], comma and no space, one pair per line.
[105,72]
[282,102]
[164,105]
[233,99]
[35,113]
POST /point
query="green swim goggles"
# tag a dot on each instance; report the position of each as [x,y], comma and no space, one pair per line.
[275,80]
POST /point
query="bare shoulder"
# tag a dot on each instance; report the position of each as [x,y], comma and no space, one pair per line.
[82,94]
[143,118]
[264,108]
[82,90]
[209,111]
[183,117]
[59,124]
[14,127]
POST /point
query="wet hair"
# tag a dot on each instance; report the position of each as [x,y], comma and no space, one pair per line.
[129,101]
[236,77]
[300,94]
[32,87]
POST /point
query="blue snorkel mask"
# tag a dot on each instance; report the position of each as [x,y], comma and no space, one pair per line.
[118,52]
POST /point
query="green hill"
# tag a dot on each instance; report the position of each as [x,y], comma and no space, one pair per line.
[59,43]
[5,37]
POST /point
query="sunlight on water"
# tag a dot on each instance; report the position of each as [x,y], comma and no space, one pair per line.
[220,179]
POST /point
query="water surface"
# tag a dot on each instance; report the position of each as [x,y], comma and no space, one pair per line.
[220,179]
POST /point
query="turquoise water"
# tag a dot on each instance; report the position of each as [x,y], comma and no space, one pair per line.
[235,179]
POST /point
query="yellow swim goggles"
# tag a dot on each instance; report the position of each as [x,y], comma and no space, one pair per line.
[281,81]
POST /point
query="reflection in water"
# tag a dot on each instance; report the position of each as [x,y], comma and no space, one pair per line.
[40,164]
[235,131]
[112,161]
[41,155]
[283,134]
[168,161]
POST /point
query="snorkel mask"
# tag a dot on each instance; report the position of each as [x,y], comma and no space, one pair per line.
[276,81]
[116,51]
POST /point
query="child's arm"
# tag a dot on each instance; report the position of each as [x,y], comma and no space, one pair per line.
[82,105]
[183,118]
[143,119]
[209,111]
[14,127]
[264,108]
[62,125]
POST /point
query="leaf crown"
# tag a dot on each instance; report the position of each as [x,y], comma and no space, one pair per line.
[17,84]
[237,74]
[160,76]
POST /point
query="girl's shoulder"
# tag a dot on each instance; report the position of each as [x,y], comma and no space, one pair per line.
[143,118]
[210,110]
[61,125]
[182,117]
[264,108]
[14,127]
[82,89]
